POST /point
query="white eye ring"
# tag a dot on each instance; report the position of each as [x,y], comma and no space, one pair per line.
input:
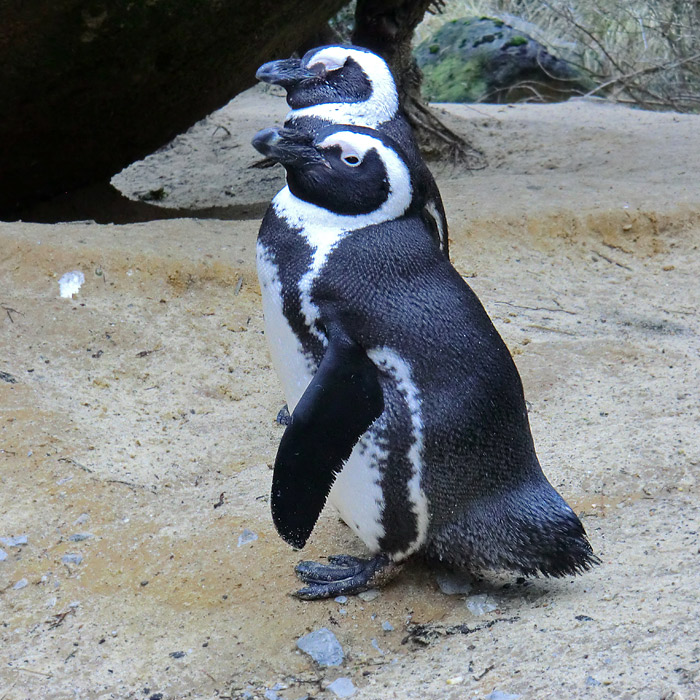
[352,160]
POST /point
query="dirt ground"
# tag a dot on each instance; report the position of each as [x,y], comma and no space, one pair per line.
[139,416]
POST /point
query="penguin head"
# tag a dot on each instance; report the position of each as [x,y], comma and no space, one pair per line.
[347,171]
[343,84]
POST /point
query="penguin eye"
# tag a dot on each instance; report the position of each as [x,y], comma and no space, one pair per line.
[352,160]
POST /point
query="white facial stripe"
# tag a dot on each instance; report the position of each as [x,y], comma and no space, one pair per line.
[391,363]
[379,108]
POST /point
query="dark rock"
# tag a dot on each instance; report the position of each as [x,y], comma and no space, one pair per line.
[88,88]
[485,60]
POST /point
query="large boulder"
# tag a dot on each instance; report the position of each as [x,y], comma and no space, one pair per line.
[480,59]
[89,86]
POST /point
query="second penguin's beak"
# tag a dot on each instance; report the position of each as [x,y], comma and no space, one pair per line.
[287,147]
[287,72]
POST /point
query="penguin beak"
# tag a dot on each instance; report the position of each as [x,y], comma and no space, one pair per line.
[288,147]
[287,72]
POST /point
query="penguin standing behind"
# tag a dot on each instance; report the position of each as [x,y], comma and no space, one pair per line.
[351,85]
[408,413]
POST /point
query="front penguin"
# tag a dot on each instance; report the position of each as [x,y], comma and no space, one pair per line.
[407,412]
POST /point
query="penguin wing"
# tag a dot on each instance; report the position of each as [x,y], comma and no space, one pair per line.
[343,399]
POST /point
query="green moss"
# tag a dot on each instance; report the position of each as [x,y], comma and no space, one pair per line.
[434,48]
[454,80]
[515,41]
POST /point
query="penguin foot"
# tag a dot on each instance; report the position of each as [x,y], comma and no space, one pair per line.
[283,417]
[344,575]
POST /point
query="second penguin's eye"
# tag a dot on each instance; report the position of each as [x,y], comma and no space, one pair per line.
[352,161]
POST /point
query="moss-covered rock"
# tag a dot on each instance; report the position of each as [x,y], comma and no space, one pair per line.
[481,59]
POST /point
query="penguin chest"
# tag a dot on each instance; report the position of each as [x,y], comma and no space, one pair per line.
[294,366]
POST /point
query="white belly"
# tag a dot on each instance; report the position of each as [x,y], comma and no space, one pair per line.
[294,369]
[357,493]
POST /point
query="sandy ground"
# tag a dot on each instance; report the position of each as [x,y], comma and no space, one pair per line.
[141,413]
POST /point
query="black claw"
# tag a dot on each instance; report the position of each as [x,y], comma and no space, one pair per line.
[343,575]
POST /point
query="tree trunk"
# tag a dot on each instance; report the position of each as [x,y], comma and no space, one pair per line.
[386,27]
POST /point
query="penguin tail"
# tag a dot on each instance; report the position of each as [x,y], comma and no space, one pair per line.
[530,530]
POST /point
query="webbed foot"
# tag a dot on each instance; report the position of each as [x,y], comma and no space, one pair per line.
[344,575]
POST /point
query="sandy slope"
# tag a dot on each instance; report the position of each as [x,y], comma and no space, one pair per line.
[138,403]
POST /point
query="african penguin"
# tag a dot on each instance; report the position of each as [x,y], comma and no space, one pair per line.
[407,411]
[351,85]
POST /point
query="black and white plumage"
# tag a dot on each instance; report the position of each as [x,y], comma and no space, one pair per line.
[407,410]
[351,85]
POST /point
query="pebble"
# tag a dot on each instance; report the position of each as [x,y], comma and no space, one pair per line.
[3,555]
[246,537]
[480,605]
[20,584]
[500,695]
[387,627]
[341,599]
[369,596]
[342,687]
[72,558]
[592,682]
[322,646]
[451,583]
[376,646]
[80,536]
[14,541]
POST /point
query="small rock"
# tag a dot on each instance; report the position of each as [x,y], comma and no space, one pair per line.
[454,583]
[70,283]
[500,695]
[246,537]
[20,584]
[480,604]
[176,654]
[342,611]
[376,646]
[457,680]
[322,646]
[271,695]
[387,627]
[369,596]
[72,558]
[342,687]
[80,536]
[341,599]
[592,682]
[14,541]
[3,555]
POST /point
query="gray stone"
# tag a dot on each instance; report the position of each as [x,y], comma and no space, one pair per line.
[80,536]
[387,627]
[342,687]
[15,541]
[481,604]
[500,695]
[454,583]
[246,537]
[72,558]
[323,647]
[369,596]
[20,584]
[3,555]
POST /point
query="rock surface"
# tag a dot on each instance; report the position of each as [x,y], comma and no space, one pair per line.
[479,59]
[88,87]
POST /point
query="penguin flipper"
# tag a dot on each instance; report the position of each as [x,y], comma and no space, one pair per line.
[343,399]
